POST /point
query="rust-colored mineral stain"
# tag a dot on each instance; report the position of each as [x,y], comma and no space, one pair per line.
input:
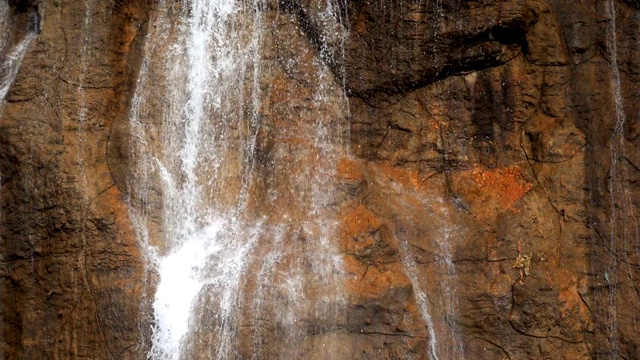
[505,185]
[348,169]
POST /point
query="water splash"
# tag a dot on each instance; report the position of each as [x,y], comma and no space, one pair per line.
[208,259]
[181,282]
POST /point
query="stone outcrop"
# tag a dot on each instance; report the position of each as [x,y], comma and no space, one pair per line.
[492,164]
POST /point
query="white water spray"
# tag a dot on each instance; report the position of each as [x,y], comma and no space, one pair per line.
[206,245]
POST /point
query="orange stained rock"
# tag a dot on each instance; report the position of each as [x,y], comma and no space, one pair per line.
[348,169]
[372,282]
[358,228]
[399,175]
[505,186]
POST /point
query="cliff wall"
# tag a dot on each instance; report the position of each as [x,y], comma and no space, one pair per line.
[492,145]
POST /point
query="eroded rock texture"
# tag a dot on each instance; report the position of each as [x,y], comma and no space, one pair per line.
[521,155]
[493,147]
[72,277]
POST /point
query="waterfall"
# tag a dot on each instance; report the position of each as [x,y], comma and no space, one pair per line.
[206,139]
[238,237]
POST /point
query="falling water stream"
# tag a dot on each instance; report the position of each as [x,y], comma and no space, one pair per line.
[206,139]
[623,231]
[444,335]
[195,119]
[13,45]
[421,297]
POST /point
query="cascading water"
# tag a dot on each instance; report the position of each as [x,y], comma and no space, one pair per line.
[421,297]
[222,233]
[233,201]
[205,244]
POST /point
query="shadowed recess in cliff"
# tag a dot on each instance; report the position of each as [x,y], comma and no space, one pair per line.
[231,189]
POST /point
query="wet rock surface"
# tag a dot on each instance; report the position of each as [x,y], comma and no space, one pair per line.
[486,167]
[72,272]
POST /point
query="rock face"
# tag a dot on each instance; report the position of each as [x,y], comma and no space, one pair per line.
[486,200]
[72,272]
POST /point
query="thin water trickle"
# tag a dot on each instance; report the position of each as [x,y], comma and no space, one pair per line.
[621,206]
[434,285]
[448,289]
[85,55]
[421,295]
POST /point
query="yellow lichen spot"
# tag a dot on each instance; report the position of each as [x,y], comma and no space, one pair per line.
[523,262]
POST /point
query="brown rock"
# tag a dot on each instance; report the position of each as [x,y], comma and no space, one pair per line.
[482,135]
